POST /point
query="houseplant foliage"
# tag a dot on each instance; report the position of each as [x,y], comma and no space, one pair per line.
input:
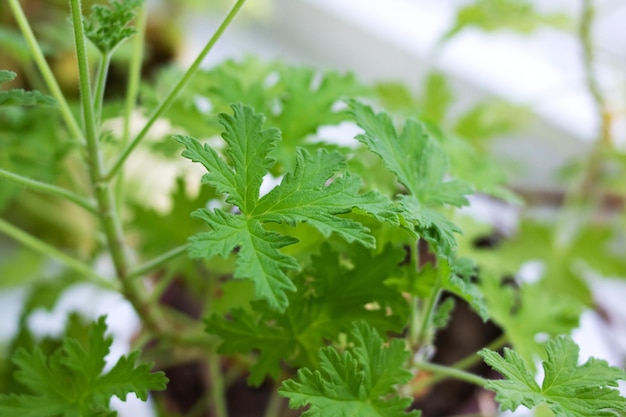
[322,270]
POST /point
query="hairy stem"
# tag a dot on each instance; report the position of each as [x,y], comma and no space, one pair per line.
[132,289]
[167,102]
[45,70]
[49,189]
[42,247]
[452,373]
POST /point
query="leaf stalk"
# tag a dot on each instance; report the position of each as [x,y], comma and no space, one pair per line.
[173,94]
[49,189]
[45,70]
[452,372]
[42,247]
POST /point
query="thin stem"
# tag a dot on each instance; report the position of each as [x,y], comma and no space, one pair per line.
[218,391]
[101,79]
[583,194]
[585,35]
[275,403]
[134,71]
[49,189]
[167,102]
[45,70]
[414,327]
[132,289]
[42,247]
[427,313]
[463,364]
[452,372]
[103,193]
[475,358]
[157,262]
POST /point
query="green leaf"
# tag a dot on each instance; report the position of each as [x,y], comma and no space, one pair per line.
[19,97]
[107,27]
[528,311]
[6,76]
[490,15]
[295,99]
[357,382]
[330,298]
[437,97]
[420,165]
[491,119]
[70,382]
[568,389]
[315,192]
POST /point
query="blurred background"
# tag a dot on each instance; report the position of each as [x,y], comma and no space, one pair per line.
[513,76]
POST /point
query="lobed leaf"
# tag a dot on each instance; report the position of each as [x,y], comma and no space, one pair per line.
[568,389]
[420,165]
[315,192]
[330,297]
[70,382]
[108,26]
[357,382]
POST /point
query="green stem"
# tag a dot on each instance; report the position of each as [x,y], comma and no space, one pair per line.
[132,90]
[426,315]
[134,71]
[452,373]
[582,195]
[218,391]
[157,262]
[414,328]
[49,189]
[45,70]
[104,196]
[101,80]
[40,246]
[167,102]
[275,403]
[463,364]
[132,289]
[475,358]
[585,35]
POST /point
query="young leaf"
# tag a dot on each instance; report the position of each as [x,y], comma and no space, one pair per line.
[568,389]
[6,76]
[421,166]
[330,298]
[314,193]
[19,97]
[107,27]
[357,382]
[70,382]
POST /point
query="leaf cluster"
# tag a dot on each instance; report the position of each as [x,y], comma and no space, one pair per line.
[317,192]
[357,382]
[71,383]
[107,26]
[331,296]
[20,97]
